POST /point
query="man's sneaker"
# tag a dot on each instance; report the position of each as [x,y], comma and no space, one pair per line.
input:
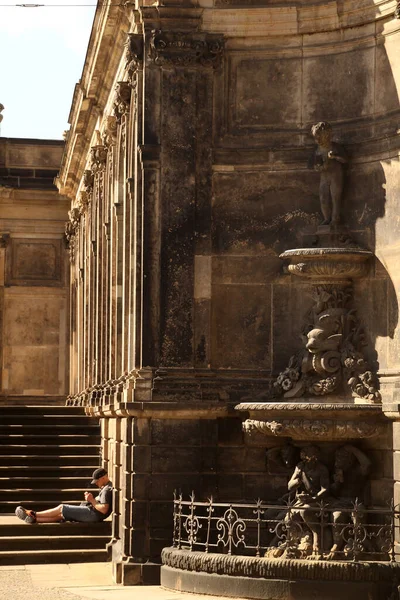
[29,516]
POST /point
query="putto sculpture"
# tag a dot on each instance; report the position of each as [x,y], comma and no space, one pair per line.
[331,497]
[329,159]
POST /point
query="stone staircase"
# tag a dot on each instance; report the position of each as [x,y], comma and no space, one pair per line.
[47,456]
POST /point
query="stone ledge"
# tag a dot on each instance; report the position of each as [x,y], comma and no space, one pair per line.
[246,566]
[271,589]
[162,410]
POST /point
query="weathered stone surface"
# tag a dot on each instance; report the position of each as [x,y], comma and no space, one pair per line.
[180,302]
[241,325]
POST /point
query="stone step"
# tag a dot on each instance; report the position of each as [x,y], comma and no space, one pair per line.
[62,428]
[48,409]
[52,440]
[10,526]
[34,557]
[53,450]
[49,460]
[51,419]
[54,471]
[47,457]
[54,483]
[9,506]
[39,542]
[46,495]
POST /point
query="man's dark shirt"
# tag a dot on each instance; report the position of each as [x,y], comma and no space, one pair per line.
[106,497]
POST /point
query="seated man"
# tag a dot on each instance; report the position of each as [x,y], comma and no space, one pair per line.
[90,511]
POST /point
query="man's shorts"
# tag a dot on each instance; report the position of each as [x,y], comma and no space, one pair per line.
[82,514]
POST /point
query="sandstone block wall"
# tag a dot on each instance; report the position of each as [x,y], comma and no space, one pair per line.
[34,294]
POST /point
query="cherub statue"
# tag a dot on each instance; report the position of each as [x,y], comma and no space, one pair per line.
[329,159]
[349,480]
[310,481]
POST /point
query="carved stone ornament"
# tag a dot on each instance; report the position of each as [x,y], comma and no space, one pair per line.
[88,180]
[397,11]
[333,358]
[333,265]
[133,54]
[1,110]
[98,158]
[71,228]
[312,420]
[186,49]
[83,202]
[122,100]
[6,192]
[312,430]
[110,131]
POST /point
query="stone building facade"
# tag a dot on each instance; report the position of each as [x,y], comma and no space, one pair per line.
[33,273]
[186,166]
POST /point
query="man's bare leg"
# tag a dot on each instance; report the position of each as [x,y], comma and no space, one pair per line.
[53,515]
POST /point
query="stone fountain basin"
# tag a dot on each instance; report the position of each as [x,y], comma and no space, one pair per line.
[312,420]
[328,263]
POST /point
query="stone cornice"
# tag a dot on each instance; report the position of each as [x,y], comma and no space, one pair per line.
[162,410]
[104,54]
[242,18]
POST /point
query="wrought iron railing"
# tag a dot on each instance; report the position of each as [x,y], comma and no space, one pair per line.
[335,530]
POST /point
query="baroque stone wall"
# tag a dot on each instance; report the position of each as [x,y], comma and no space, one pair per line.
[187,170]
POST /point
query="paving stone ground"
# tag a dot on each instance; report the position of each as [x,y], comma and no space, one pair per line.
[91,581]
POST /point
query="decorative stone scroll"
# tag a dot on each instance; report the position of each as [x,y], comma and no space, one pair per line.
[333,358]
[98,156]
[122,100]
[179,49]
[109,134]
[71,228]
[397,11]
[133,55]
[88,180]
